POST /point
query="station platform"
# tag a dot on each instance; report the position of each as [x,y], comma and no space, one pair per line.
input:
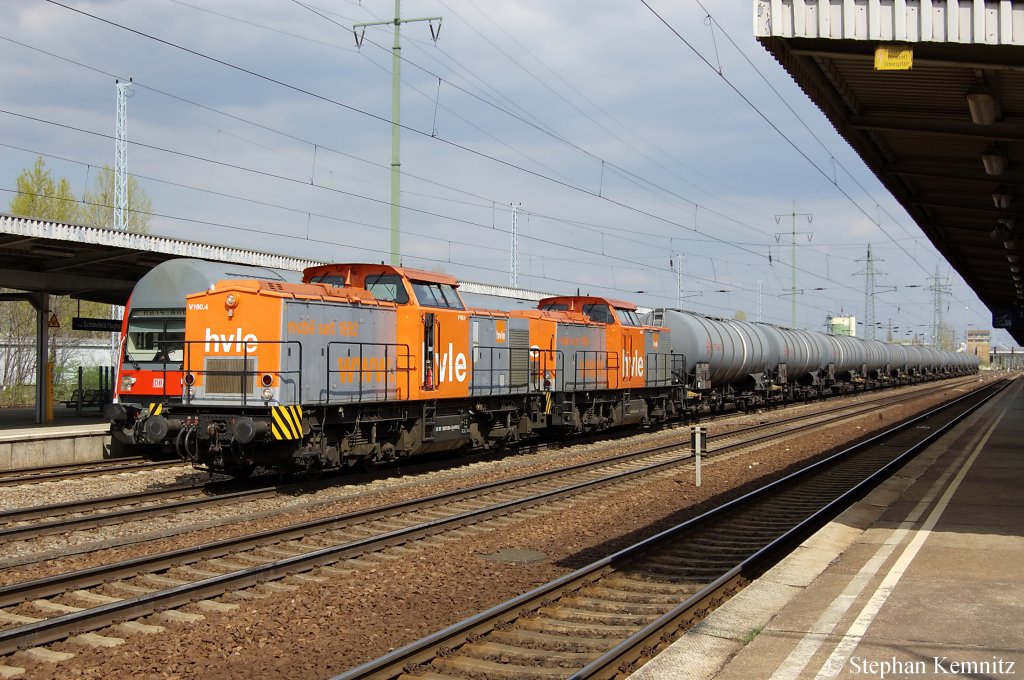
[70,438]
[920,579]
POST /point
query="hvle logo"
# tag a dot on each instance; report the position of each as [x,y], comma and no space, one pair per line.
[235,342]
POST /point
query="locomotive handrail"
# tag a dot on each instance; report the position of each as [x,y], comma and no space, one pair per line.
[490,389]
[166,369]
[244,373]
[662,369]
[584,369]
[540,357]
[359,373]
[166,347]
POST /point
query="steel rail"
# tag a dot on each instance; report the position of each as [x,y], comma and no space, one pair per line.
[97,468]
[130,514]
[632,648]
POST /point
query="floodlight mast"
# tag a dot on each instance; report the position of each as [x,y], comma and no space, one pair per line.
[121,157]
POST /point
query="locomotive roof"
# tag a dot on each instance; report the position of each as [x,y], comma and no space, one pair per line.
[360,270]
[323,291]
[576,317]
[586,300]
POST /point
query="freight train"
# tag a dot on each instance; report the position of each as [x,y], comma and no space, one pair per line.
[363,363]
[149,371]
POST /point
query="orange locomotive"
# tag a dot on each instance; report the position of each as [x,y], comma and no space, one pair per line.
[367,363]
[603,366]
[149,372]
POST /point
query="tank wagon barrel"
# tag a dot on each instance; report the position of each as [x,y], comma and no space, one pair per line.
[753,364]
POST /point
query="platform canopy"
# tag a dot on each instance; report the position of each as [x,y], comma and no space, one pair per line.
[930,94]
[101,265]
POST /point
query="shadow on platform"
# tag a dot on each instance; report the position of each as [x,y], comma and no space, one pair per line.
[22,418]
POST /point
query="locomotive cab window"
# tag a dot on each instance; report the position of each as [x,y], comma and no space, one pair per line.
[387,287]
[628,317]
[437,295]
[330,279]
[555,307]
[384,287]
[598,313]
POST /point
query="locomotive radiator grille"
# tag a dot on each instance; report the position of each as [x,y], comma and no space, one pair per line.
[519,357]
[230,375]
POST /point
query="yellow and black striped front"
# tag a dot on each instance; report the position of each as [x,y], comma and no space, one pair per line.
[155,409]
[287,422]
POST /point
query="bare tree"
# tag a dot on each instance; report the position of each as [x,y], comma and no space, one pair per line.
[42,197]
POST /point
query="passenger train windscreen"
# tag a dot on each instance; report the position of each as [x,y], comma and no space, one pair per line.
[155,336]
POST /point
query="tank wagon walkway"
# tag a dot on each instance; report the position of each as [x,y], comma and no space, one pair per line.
[922,578]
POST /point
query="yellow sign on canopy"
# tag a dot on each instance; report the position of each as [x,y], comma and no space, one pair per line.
[894,58]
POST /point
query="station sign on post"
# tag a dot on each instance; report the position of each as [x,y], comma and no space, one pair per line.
[699,443]
[84,323]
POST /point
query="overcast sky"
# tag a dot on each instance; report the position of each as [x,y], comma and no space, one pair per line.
[631,148]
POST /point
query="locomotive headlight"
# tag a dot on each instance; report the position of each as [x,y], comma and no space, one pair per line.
[267,380]
[126,382]
[190,379]
[231,301]
[268,394]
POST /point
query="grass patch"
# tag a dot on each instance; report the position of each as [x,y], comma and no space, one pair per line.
[751,634]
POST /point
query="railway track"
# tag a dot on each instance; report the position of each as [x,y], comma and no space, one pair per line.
[78,470]
[607,617]
[81,515]
[92,599]
[29,523]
